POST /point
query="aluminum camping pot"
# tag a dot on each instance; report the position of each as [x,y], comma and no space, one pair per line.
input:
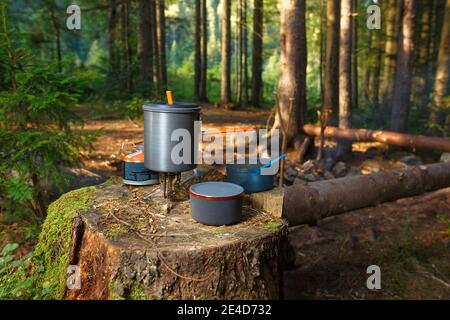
[161,122]
[216,203]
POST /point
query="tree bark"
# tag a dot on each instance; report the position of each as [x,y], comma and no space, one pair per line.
[257,52]
[198,56]
[386,137]
[310,203]
[239,52]
[245,53]
[376,74]
[367,68]
[225,83]
[161,36]
[331,85]
[127,51]
[441,86]
[344,147]
[292,83]
[403,75]
[144,47]
[204,64]
[390,53]
[155,52]
[57,36]
[423,56]
[112,29]
[321,48]
[354,63]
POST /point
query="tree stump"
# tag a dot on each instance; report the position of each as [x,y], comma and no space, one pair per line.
[131,243]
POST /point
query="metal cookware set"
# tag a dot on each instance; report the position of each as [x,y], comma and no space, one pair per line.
[211,203]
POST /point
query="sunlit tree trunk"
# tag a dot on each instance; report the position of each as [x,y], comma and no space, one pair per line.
[292,83]
[331,84]
[257,52]
[390,52]
[441,86]
[225,83]
[344,148]
[403,75]
[245,48]
[376,73]
[367,68]
[321,47]
[355,86]
[423,57]
[239,52]
[204,63]
[197,56]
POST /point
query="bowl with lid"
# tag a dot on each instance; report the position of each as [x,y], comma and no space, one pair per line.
[216,203]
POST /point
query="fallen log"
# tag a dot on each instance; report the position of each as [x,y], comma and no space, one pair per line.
[306,204]
[390,138]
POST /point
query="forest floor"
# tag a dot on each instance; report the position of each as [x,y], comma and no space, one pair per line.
[409,239]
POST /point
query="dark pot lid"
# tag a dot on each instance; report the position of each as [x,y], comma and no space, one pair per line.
[216,190]
[179,107]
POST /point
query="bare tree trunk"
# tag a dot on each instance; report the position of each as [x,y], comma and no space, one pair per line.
[292,83]
[367,68]
[344,148]
[376,74]
[403,77]
[144,47]
[432,49]
[127,52]
[112,23]
[257,52]
[161,36]
[245,48]
[225,86]
[331,85]
[321,48]
[198,56]
[239,52]
[57,36]
[355,86]
[441,86]
[155,51]
[423,56]
[204,64]
[390,53]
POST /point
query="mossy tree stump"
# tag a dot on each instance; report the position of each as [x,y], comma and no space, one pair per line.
[131,243]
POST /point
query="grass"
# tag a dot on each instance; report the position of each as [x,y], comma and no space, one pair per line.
[408,262]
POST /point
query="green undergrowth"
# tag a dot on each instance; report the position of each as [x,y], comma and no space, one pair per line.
[42,273]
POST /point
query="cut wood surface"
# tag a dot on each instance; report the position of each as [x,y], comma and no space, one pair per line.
[131,243]
[315,201]
[390,138]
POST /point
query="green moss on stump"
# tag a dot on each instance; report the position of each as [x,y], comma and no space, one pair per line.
[116,230]
[55,240]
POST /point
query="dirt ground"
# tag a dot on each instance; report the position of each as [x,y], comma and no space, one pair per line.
[408,239]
